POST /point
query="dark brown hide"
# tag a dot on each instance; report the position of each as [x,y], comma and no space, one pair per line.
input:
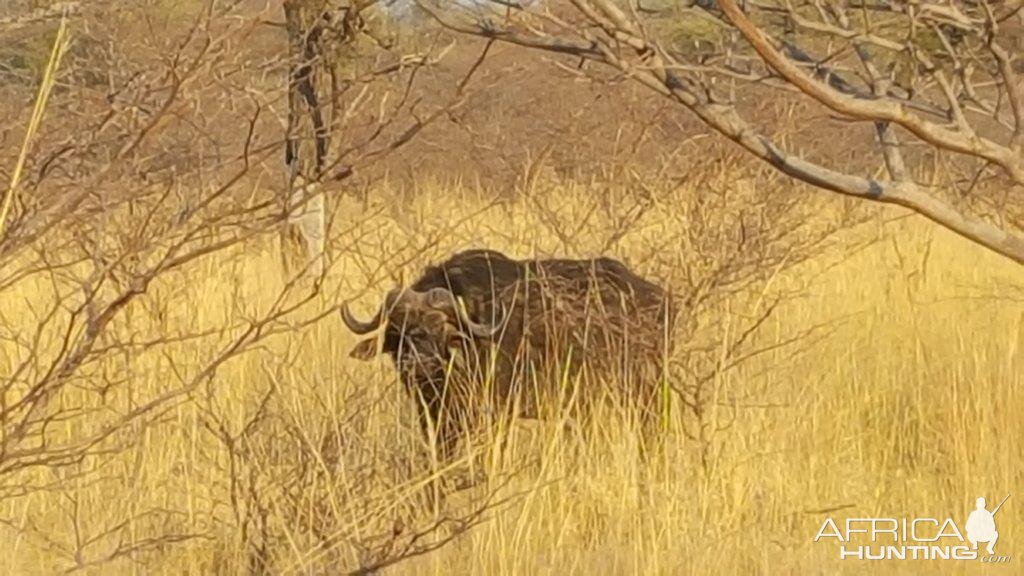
[531,331]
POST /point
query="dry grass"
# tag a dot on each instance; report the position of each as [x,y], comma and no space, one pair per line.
[910,406]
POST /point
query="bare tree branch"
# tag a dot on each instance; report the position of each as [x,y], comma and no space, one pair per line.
[618,39]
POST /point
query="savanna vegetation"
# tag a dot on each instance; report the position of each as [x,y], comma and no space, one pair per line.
[177,397]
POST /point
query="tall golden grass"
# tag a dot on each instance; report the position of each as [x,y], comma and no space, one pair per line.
[60,45]
[911,406]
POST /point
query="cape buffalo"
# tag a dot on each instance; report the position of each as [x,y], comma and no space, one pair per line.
[484,332]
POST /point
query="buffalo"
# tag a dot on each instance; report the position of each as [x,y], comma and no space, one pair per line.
[482,332]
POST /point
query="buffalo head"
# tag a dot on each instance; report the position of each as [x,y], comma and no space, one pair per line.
[420,330]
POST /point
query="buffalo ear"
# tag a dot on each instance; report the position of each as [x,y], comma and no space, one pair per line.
[365,350]
[454,339]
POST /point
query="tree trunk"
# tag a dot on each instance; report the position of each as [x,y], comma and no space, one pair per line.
[308,140]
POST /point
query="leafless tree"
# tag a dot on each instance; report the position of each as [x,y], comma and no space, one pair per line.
[940,81]
[327,81]
[151,157]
